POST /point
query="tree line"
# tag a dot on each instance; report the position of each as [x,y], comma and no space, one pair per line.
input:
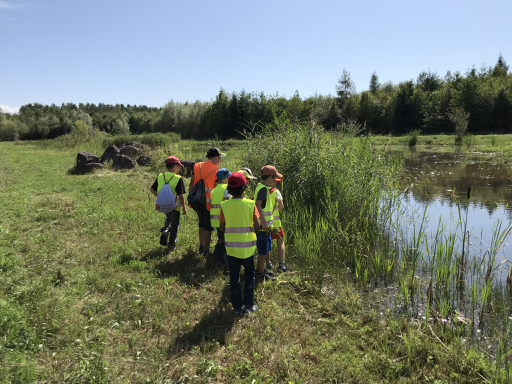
[483,97]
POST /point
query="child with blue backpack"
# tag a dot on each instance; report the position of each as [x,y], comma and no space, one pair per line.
[169,232]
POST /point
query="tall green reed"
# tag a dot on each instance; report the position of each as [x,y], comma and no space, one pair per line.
[333,190]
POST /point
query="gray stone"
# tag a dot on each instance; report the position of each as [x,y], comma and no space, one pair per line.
[131,151]
[109,153]
[144,161]
[134,144]
[92,166]
[188,168]
[84,158]
[123,162]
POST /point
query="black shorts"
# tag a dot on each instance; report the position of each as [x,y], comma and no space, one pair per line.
[204,220]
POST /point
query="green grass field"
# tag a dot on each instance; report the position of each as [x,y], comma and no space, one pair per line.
[87,295]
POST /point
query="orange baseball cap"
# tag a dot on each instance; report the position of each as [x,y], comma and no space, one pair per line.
[270,170]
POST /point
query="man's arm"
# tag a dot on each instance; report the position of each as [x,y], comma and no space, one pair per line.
[280,205]
[154,192]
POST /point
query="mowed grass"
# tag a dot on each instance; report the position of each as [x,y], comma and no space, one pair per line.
[87,295]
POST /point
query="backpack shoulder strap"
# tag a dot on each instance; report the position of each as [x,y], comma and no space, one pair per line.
[210,173]
[163,174]
[272,190]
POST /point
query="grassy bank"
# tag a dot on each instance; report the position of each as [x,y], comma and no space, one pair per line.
[498,146]
[88,296]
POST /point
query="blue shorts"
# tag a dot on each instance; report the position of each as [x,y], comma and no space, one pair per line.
[263,242]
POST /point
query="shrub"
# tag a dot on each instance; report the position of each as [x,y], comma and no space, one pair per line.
[11,130]
[412,137]
[460,119]
[150,139]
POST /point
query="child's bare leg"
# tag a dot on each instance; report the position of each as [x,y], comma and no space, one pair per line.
[280,249]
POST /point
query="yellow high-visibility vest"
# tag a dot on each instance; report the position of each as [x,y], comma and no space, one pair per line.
[239,235]
[276,218]
[217,198]
[267,211]
[172,179]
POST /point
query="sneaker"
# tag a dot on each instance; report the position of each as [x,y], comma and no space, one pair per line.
[264,276]
[206,253]
[237,312]
[269,265]
[282,269]
[201,248]
[248,310]
[163,238]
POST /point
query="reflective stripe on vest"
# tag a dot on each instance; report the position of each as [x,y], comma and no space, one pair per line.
[275,212]
[239,230]
[240,244]
[239,235]
[216,198]
[267,211]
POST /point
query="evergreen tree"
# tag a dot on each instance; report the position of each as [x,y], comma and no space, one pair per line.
[374,83]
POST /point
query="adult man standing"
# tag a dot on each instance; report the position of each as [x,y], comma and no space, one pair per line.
[206,170]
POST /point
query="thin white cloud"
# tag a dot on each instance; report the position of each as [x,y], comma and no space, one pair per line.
[6,5]
[6,109]
[3,4]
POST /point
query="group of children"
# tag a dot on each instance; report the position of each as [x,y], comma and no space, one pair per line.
[242,225]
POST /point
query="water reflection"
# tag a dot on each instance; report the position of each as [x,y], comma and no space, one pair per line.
[440,182]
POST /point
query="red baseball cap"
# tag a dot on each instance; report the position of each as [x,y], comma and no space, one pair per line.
[173,160]
[236,179]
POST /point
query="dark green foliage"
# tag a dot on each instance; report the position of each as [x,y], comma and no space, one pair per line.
[485,93]
[374,83]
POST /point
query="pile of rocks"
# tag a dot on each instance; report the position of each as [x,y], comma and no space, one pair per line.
[124,157]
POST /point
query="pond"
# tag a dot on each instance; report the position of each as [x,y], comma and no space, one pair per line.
[432,281]
[439,182]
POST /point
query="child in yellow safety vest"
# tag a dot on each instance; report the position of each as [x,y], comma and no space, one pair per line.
[277,232]
[219,194]
[172,219]
[239,222]
[265,208]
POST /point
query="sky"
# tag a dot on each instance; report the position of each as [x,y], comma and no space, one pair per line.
[153,51]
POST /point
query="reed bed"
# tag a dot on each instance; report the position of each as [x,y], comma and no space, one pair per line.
[343,214]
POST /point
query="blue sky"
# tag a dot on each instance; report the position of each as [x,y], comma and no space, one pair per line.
[149,52]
